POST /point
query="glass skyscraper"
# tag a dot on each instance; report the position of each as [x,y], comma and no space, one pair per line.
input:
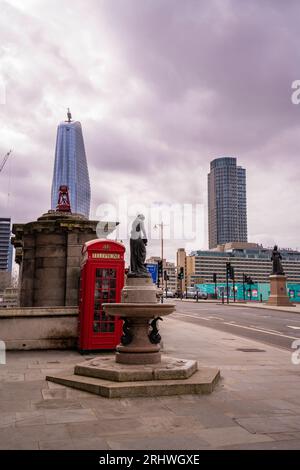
[70,168]
[227,202]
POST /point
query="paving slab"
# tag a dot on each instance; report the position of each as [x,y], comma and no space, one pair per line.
[289,444]
[32,433]
[66,444]
[109,427]
[91,443]
[30,418]
[56,404]
[189,441]
[69,416]
[270,424]
[223,436]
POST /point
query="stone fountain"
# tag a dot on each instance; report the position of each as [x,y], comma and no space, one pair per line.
[138,367]
[140,343]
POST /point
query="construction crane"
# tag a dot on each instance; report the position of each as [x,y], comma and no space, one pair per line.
[4,160]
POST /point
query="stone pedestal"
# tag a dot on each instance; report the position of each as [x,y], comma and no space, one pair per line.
[48,251]
[140,350]
[102,376]
[278,296]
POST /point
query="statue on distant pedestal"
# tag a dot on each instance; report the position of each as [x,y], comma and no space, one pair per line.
[69,115]
[276,258]
[138,242]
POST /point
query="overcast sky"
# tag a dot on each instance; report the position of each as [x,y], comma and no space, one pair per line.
[161,88]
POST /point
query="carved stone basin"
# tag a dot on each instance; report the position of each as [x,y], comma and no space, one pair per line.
[133,310]
[140,341]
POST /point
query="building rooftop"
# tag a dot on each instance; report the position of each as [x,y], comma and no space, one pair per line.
[250,252]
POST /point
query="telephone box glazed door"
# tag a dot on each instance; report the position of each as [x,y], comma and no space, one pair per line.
[102,279]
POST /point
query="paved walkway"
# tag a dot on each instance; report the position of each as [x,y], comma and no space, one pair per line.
[255,406]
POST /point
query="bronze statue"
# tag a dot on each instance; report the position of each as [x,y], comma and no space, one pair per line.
[138,242]
[276,258]
[69,115]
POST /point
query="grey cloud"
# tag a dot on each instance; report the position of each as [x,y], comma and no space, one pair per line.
[161,88]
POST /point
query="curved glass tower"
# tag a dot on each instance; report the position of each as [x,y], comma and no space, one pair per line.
[70,168]
[227,202]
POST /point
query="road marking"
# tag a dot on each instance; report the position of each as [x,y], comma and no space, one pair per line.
[262,331]
[239,326]
[192,316]
[294,327]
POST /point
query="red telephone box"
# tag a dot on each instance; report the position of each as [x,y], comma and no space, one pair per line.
[102,279]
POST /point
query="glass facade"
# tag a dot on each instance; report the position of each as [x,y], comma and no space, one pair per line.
[70,168]
[227,202]
[5,245]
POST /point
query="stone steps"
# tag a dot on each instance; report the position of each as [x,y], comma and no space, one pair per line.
[201,382]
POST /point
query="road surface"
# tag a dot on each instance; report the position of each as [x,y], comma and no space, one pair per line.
[268,326]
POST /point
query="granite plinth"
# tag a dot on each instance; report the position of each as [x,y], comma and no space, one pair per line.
[106,368]
[278,295]
[111,380]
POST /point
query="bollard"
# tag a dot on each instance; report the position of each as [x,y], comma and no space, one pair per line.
[223,298]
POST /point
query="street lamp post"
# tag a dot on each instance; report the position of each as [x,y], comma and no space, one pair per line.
[161,227]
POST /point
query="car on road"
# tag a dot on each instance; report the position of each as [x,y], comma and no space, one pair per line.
[169,294]
[202,295]
[191,293]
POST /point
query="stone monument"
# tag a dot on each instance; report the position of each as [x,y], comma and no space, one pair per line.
[138,368]
[278,295]
[48,251]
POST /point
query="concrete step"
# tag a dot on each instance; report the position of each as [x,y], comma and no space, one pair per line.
[201,382]
[107,368]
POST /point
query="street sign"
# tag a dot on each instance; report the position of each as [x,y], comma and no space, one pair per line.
[152,268]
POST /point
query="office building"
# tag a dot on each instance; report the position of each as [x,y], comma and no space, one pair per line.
[70,168]
[5,245]
[9,297]
[227,202]
[246,258]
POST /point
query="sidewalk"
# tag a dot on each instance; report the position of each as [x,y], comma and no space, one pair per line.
[255,406]
[295,309]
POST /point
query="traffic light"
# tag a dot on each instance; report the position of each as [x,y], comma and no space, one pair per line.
[248,279]
[166,277]
[229,271]
[215,278]
[181,274]
[160,268]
